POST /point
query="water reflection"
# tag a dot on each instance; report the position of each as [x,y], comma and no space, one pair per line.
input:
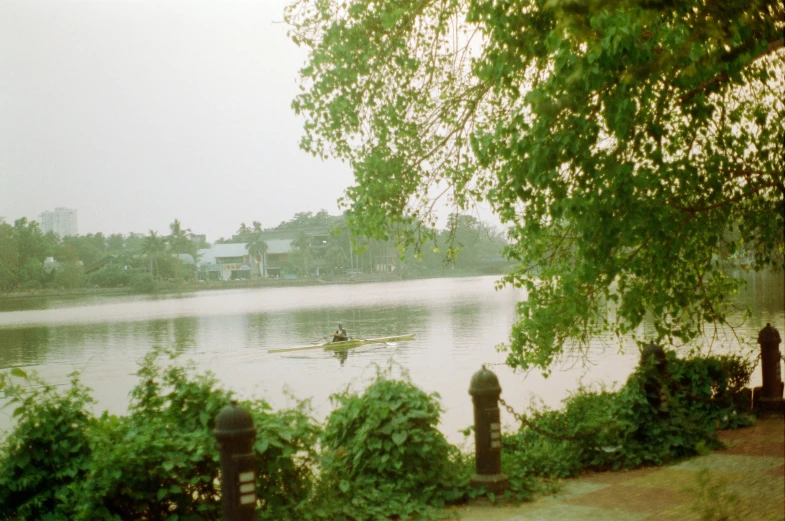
[457,323]
[23,346]
[764,293]
[16,304]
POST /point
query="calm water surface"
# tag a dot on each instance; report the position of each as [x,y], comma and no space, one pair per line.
[457,323]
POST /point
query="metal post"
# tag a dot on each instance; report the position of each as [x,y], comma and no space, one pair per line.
[235,433]
[767,399]
[485,391]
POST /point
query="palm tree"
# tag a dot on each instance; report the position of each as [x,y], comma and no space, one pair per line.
[257,249]
[178,239]
[153,246]
[243,229]
[336,254]
[303,245]
[257,226]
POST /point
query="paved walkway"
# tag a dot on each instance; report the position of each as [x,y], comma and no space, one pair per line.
[750,469]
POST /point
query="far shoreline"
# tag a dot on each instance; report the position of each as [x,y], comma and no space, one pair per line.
[171,288]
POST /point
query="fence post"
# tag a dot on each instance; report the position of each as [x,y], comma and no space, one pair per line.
[485,391]
[235,433]
[654,364]
[767,399]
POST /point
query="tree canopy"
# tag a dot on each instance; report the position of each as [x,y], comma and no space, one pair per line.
[634,148]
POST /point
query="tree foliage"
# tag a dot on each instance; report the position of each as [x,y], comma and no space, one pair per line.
[634,148]
[257,248]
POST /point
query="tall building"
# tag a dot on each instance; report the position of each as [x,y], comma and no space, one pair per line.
[62,221]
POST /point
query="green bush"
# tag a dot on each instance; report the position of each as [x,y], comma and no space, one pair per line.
[113,276]
[652,420]
[69,276]
[286,456]
[143,282]
[158,462]
[47,452]
[384,456]
[715,386]
[379,456]
[31,285]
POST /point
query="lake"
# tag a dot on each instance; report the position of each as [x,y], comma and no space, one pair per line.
[457,323]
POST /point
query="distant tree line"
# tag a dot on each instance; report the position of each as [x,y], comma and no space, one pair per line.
[321,243]
[33,260]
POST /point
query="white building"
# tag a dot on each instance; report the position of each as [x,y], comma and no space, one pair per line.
[232,261]
[62,221]
[277,256]
[225,261]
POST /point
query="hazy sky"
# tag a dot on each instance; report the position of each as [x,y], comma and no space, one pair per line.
[137,112]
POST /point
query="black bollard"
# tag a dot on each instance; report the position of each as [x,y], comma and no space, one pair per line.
[767,399]
[235,433]
[485,391]
[654,364]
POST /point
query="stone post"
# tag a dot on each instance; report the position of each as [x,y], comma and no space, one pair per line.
[485,391]
[235,433]
[767,399]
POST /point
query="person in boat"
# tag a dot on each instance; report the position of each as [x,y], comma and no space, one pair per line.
[340,335]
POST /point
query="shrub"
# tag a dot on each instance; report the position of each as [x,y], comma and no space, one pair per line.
[384,456]
[143,282]
[286,455]
[653,419]
[158,462]
[31,285]
[48,449]
[380,454]
[113,276]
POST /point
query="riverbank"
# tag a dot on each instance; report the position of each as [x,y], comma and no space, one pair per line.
[745,481]
[172,288]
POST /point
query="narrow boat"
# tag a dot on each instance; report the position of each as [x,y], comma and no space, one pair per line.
[346,344]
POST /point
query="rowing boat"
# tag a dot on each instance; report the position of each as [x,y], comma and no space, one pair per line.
[346,344]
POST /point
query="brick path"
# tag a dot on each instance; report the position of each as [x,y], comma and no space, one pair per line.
[750,469]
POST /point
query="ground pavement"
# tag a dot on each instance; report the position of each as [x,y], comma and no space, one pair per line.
[746,480]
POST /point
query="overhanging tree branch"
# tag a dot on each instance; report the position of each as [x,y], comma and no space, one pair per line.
[722,78]
[734,200]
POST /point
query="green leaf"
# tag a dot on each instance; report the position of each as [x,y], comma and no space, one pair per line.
[162,493]
[344,486]
[18,372]
[399,437]
[262,445]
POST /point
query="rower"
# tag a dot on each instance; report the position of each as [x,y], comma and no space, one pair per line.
[340,335]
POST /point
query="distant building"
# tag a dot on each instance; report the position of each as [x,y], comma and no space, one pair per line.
[50,265]
[225,261]
[277,256]
[62,221]
[232,260]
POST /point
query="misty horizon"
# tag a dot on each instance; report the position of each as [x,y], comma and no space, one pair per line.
[138,113]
